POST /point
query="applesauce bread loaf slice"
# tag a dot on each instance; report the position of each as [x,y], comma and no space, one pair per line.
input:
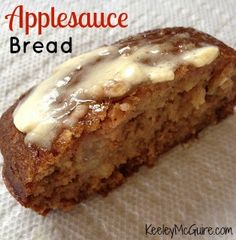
[103,114]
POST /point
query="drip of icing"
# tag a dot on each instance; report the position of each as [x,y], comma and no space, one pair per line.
[107,72]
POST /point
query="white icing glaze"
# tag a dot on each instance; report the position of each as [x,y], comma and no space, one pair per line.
[105,72]
[201,56]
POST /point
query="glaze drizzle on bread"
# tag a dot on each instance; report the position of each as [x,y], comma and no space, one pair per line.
[108,72]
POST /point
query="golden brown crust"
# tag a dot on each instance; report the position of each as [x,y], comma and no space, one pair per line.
[23,165]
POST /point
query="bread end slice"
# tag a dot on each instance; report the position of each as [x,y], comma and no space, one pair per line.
[119,135]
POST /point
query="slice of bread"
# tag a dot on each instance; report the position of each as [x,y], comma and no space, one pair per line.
[171,84]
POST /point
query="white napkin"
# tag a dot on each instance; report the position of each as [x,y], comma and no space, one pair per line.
[193,185]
